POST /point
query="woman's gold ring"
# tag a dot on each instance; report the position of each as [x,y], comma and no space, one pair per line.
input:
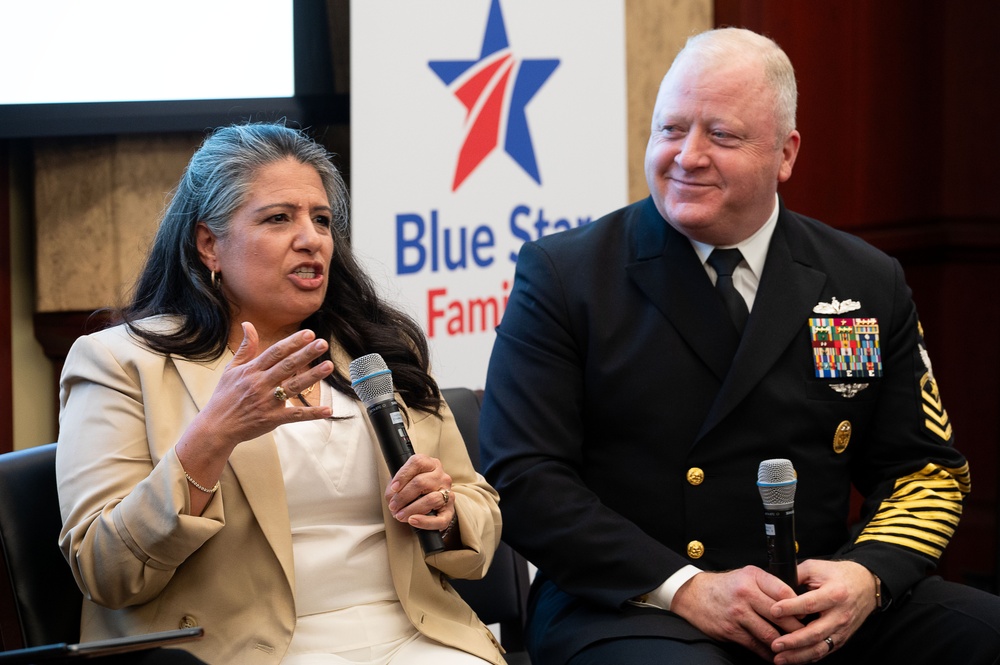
[280,394]
[446,495]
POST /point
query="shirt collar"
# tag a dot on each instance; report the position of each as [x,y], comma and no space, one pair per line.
[754,248]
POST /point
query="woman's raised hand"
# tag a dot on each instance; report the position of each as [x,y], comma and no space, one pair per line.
[250,398]
[247,403]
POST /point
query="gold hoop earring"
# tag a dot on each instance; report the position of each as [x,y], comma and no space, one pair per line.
[215,284]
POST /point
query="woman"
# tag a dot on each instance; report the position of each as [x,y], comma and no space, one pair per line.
[215,467]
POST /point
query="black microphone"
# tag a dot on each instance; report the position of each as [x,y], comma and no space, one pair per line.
[372,382]
[776,481]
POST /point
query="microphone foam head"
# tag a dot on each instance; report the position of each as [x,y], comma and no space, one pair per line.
[776,481]
[371,378]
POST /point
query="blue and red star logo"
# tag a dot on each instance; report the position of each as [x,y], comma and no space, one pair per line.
[497,79]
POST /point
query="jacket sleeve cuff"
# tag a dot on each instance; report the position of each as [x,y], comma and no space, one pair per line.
[897,569]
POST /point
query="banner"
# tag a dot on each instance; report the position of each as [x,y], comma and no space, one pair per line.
[478,125]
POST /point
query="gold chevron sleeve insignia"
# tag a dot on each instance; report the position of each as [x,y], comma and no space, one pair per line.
[923,511]
[936,420]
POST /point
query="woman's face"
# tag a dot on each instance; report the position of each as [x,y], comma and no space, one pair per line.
[274,261]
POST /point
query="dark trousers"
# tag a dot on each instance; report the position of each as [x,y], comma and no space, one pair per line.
[937,622]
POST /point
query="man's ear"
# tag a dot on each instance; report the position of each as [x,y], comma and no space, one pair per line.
[789,151]
[205,241]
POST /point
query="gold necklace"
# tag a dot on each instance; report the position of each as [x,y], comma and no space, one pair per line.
[302,395]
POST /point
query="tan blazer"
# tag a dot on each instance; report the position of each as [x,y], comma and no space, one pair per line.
[145,564]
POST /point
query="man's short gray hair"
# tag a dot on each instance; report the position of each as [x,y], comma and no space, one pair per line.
[733,44]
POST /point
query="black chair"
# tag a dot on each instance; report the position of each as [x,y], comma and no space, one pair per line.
[501,596]
[40,604]
[39,600]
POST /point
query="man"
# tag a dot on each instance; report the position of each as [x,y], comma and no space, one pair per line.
[627,410]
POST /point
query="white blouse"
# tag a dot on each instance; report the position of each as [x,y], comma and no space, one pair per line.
[344,596]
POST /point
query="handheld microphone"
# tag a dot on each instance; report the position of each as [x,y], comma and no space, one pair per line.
[372,382]
[776,481]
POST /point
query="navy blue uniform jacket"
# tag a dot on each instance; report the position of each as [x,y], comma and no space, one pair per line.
[624,420]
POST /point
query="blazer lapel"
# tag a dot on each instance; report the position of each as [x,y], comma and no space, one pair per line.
[667,270]
[788,290]
[200,378]
[255,464]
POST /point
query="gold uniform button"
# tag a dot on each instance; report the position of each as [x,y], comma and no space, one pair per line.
[695,549]
[842,437]
[695,476]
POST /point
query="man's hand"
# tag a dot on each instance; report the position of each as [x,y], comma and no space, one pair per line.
[842,593]
[737,606]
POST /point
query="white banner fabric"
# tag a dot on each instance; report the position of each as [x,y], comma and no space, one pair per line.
[478,125]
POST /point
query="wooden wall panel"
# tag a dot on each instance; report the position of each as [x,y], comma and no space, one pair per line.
[655,31]
[895,104]
[97,204]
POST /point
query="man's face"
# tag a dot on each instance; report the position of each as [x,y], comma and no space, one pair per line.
[714,158]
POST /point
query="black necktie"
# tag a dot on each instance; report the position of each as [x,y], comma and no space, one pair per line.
[724,261]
